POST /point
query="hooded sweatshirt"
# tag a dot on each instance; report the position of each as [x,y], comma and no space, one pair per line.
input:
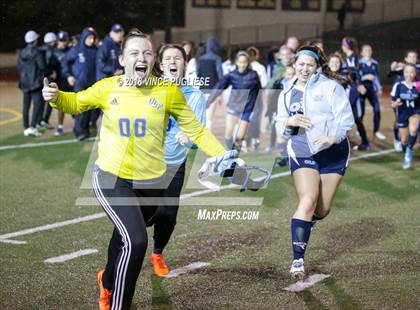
[81,62]
[31,67]
[107,58]
[209,65]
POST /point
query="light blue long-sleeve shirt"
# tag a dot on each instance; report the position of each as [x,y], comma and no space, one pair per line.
[175,153]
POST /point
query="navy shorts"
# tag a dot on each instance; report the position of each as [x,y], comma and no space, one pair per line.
[239,111]
[404,114]
[332,160]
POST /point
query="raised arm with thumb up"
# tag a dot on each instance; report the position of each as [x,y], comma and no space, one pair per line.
[50,91]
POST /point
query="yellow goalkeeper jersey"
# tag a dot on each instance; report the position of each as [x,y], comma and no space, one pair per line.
[134,122]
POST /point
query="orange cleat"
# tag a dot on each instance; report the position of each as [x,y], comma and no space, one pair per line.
[104,299]
[159,265]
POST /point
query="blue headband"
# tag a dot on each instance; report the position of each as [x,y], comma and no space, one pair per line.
[307,53]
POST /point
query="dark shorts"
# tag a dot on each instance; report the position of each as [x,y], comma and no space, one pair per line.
[403,116]
[239,111]
[332,160]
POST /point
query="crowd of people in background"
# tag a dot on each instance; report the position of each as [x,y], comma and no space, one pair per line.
[238,78]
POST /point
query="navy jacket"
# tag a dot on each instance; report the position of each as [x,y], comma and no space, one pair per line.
[60,55]
[51,60]
[31,67]
[81,62]
[209,65]
[107,58]
[245,88]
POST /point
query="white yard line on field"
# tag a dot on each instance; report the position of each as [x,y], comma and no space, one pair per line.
[66,257]
[5,237]
[30,145]
[300,285]
[190,267]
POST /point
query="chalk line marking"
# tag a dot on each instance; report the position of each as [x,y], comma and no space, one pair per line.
[30,145]
[16,116]
[3,238]
[66,257]
[185,196]
[190,267]
[300,285]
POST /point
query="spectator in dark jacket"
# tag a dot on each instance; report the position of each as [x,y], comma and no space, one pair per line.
[209,66]
[31,67]
[51,62]
[107,56]
[107,61]
[80,70]
[60,53]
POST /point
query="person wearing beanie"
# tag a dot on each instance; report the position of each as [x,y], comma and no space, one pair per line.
[31,67]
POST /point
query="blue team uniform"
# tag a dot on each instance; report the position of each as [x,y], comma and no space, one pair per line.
[410,99]
[175,153]
[245,89]
[372,89]
[331,160]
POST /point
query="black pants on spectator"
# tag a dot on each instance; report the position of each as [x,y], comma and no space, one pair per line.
[34,96]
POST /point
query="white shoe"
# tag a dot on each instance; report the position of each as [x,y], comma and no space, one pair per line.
[31,131]
[26,132]
[298,268]
[397,146]
[379,135]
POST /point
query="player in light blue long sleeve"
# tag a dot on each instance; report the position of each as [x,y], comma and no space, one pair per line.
[175,150]
[172,61]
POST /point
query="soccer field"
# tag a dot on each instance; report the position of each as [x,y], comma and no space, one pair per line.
[369,245]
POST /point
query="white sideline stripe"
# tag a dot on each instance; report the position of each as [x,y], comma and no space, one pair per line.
[66,257]
[13,241]
[29,145]
[190,267]
[52,226]
[198,193]
[300,285]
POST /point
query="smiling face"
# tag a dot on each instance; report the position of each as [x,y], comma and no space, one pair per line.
[335,64]
[411,57]
[409,74]
[305,66]
[137,59]
[242,63]
[173,64]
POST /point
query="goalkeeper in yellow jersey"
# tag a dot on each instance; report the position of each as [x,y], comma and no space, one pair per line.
[130,166]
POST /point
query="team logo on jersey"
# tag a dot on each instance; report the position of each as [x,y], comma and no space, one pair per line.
[154,103]
[295,107]
[113,101]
